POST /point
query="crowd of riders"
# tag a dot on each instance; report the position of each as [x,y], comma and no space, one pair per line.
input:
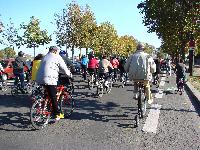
[54,67]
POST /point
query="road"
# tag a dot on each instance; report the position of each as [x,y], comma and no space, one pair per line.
[172,122]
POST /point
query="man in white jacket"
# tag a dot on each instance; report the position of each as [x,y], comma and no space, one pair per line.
[140,67]
[48,76]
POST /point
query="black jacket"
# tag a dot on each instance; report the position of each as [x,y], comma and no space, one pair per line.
[18,65]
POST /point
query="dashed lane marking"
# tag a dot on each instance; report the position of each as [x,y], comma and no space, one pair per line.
[152,119]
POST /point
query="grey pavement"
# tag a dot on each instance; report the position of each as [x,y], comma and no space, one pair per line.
[105,123]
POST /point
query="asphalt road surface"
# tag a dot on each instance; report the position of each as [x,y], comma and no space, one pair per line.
[172,122]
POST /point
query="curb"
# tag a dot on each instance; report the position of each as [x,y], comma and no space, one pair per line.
[194,92]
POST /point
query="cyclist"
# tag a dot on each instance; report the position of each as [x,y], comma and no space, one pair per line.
[104,68]
[180,71]
[35,66]
[18,69]
[92,67]
[122,62]
[84,63]
[63,78]
[156,74]
[115,63]
[140,67]
[48,76]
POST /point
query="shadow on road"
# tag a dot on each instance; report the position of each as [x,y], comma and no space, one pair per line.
[15,121]
[13,114]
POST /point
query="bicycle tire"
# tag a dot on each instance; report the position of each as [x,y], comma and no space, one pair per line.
[100,90]
[67,104]
[38,118]
[4,86]
[14,91]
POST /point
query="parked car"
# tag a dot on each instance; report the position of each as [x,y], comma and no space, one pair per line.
[8,68]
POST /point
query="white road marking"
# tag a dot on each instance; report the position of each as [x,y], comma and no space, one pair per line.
[152,119]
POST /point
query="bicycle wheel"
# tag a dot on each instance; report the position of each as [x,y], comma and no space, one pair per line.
[109,86]
[4,86]
[39,114]
[141,104]
[14,91]
[100,90]
[67,104]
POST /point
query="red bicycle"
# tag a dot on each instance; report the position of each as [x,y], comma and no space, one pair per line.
[41,110]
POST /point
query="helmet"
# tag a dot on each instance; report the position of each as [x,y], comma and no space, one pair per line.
[140,46]
[21,54]
[62,52]
[53,48]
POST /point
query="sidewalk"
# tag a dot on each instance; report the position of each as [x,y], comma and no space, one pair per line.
[194,92]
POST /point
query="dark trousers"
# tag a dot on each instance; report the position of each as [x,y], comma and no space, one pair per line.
[21,78]
[84,68]
[115,73]
[52,91]
[93,71]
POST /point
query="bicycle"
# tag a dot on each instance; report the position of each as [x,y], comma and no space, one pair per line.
[3,82]
[155,79]
[142,102]
[16,90]
[180,85]
[91,81]
[124,79]
[102,87]
[41,110]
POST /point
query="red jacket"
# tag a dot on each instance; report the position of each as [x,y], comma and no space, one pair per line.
[92,63]
[115,63]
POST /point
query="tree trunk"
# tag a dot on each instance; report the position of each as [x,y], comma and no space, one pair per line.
[73,54]
[86,52]
[80,54]
[34,51]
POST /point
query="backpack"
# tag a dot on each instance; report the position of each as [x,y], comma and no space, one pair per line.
[17,64]
[138,67]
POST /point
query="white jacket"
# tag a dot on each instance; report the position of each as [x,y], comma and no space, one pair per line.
[140,66]
[49,69]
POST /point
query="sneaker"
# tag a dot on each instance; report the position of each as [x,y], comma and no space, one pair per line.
[60,116]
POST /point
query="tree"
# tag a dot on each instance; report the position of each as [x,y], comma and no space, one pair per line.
[9,36]
[105,38]
[171,20]
[88,29]
[9,52]
[33,36]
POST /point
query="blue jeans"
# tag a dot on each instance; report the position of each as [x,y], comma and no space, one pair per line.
[21,78]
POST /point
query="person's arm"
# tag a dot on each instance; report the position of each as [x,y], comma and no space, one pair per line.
[63,66]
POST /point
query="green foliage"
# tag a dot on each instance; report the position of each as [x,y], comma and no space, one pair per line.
[9,36]
[7,52]
[174,21]
[33,35]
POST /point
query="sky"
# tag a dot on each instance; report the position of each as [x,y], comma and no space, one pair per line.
[123,14]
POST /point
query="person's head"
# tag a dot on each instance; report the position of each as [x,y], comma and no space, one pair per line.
[39,57]
[140,46]
[181,60]
[53,49]
[62,53]
[104,57]
[21,54]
